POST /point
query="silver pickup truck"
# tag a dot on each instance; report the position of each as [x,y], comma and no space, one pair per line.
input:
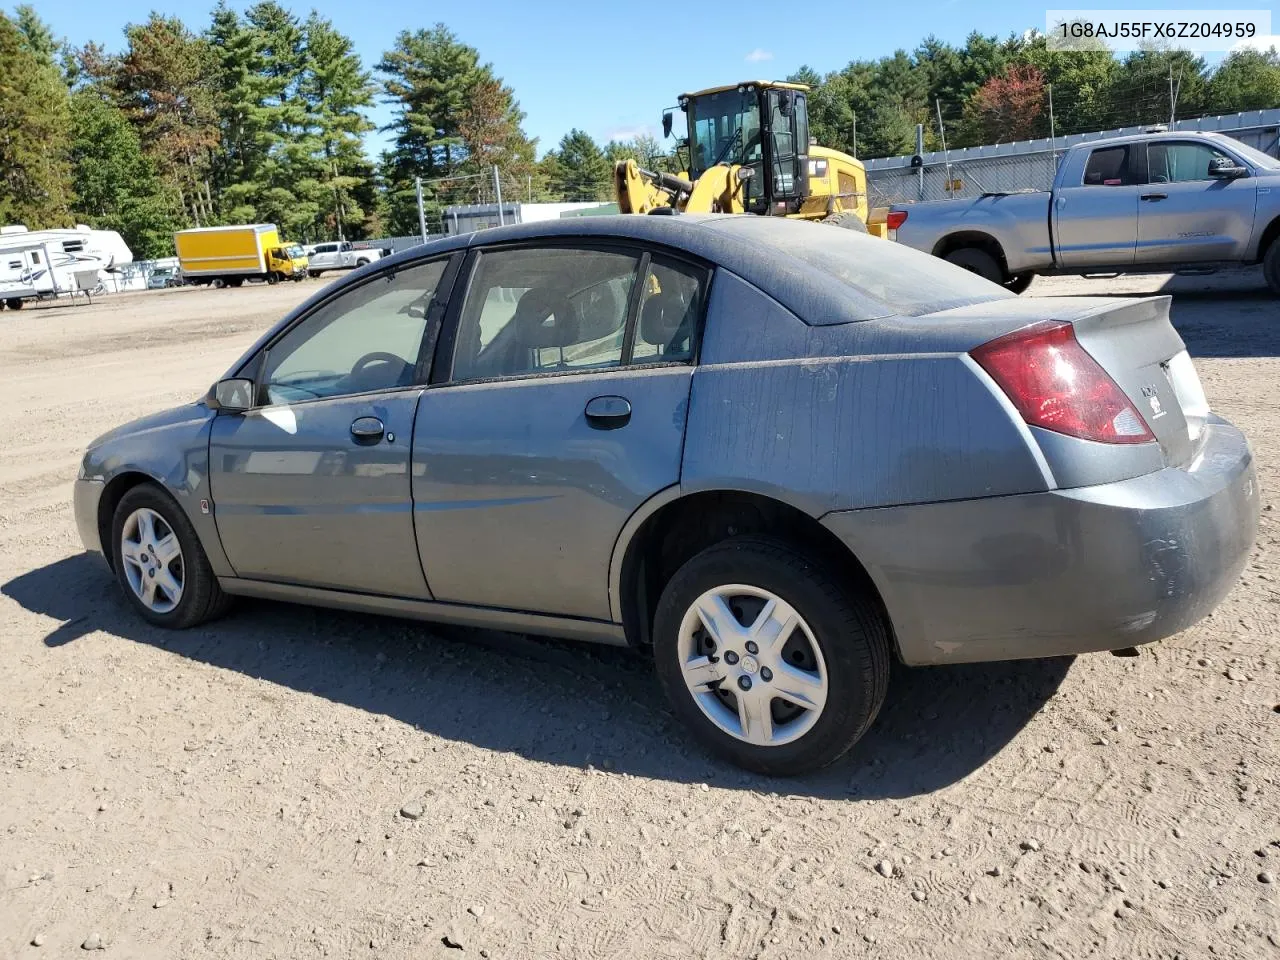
[342,255]
[1153,203]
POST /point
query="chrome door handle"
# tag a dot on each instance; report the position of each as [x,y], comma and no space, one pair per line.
[608,413]
[367,429]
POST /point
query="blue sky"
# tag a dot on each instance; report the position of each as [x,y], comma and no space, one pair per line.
[611,68]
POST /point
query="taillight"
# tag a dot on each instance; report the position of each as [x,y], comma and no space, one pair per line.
[896,218]
[1055,384]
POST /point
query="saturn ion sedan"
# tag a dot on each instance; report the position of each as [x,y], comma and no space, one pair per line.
[774,455]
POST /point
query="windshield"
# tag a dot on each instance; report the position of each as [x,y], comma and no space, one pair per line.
[722,126]
[1256,157]
[294,251]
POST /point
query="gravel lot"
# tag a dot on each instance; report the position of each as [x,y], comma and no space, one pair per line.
[297,783]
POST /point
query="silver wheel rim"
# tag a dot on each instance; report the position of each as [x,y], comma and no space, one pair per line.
[152,559]
[752,665]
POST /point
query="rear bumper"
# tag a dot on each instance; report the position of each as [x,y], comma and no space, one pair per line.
[1067,571]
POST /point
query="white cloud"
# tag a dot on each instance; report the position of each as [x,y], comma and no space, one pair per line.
[1263,43]
[758,56]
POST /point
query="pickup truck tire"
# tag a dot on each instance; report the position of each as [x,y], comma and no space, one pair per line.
[1271,266]
[977,261]
[1019,282]
[14,303]
[362,262]
[848,219]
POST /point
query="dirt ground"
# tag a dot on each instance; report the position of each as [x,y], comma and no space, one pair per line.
[236,791]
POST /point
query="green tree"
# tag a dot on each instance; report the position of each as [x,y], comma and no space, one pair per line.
[336,88]
[1245,80]
[37,37]
[580,170]
[427,77]
[35,179]
[116,185]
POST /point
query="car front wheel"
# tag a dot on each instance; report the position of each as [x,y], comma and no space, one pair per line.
[160,563]
[771,661]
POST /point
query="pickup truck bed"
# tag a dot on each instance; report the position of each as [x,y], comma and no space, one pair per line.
[1153,203]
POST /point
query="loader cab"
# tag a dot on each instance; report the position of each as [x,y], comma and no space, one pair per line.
[761,126]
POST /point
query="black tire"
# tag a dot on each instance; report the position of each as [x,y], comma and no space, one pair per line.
[273,278]
[14,303]
[237,283]
[1271,266]
[848,219]
[847,626]
[1019,282]
[362,263]
[313,274]
[977,261]
[202,599]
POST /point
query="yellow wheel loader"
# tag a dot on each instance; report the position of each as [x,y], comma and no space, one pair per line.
[749,152]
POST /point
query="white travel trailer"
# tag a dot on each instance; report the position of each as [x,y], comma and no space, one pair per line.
[41,264]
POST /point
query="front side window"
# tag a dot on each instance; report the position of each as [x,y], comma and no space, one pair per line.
[540,310]
[1108,167]
[1180,162]
[369,338]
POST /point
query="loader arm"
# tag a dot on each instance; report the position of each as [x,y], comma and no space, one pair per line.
[718,190]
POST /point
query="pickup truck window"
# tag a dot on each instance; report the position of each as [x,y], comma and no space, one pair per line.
[1180,162]
[1108,167]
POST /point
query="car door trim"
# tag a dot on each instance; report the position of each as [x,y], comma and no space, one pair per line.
[433,611]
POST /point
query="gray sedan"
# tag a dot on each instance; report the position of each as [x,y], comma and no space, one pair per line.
[776,455]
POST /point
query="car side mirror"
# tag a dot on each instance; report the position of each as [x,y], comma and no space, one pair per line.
[233,395]
[1224,168]
[666,124]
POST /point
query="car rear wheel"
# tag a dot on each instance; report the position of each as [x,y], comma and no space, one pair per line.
[977,261]
[159,562]
[1271,266]
[14,303]
[768,659]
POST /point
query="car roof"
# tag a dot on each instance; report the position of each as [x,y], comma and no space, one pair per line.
[718,239]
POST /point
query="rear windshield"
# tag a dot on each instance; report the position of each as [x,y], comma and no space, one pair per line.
[906,281]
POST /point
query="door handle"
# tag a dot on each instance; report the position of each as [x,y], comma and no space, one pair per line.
[367,429]
[608,413]
[1155,196]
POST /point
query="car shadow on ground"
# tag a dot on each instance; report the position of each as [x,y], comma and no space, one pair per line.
[551,701]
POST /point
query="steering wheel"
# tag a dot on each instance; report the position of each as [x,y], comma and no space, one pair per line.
[377,356]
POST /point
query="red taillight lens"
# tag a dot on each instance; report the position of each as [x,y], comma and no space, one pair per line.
[895,219]
[1056,385]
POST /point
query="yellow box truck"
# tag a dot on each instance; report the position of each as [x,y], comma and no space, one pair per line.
[228,256]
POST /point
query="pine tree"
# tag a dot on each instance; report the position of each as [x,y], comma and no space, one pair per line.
[37,37]
[35,180]
[166,84]
[336,88]
[580,170]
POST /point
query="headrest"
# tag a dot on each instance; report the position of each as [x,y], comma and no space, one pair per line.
[661,318]
[543,319]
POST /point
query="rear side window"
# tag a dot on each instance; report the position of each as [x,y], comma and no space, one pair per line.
[1108,167]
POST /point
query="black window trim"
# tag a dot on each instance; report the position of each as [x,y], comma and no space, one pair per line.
[1135,163]
[255,367]
[442,366]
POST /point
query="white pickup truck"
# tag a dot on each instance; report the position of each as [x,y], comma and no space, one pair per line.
[1151,203]
[339,255]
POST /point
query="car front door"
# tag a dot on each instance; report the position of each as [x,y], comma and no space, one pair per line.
[1095,221]
[312,485]
[560,409]
[1184,215]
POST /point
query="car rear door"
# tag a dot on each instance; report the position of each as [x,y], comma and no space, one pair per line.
[1184,215]
[558,407]
[1095,221]
[312,485]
